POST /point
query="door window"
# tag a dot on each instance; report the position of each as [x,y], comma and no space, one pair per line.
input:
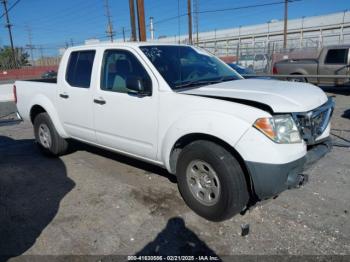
[337,56]
[79,68]
[119,66]
[259,57]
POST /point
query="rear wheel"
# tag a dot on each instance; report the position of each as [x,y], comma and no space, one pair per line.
[47,138]
[299,79]
[211,181]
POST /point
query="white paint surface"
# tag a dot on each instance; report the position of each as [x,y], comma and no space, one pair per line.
[6,93]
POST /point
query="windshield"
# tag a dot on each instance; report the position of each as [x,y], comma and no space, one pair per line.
[185,66]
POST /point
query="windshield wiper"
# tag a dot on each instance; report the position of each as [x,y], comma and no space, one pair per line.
[197,83]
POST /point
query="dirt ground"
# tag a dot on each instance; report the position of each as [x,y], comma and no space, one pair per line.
[93,202]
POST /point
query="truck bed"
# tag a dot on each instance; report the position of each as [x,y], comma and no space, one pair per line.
[304,66]
[30,92]
[298,61]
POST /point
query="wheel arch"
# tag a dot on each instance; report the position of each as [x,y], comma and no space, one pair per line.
[42,104]
[185,140]
[300,72]
[34,111]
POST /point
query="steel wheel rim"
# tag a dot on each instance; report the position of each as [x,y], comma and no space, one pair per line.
[45,136]
[203,182]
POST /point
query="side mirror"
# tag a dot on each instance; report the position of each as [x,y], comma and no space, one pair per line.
[138,86]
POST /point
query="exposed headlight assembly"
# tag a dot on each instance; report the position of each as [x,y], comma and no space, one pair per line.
[280,129]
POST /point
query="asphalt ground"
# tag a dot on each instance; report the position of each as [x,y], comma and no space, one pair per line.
[94,202]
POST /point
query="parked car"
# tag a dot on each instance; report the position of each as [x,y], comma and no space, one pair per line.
[49,74]
[229,141]
[242,70]
[246,72]
[332,60]
[258,62]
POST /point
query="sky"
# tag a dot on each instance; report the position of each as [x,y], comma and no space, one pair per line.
[51,23]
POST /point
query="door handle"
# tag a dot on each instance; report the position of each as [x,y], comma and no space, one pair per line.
[99,101]
[65,96]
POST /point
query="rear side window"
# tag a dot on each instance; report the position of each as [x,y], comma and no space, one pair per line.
[259,57]
[337,56]
[80,68]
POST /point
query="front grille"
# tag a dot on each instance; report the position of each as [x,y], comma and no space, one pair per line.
[313,123]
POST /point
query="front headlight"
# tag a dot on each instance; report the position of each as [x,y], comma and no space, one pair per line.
[280,128]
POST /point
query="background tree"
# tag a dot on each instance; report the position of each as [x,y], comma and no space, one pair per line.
[6,59]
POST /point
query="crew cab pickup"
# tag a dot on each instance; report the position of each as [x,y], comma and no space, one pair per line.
[228,140]
[332,61]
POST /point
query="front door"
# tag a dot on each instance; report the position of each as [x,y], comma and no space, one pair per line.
[125,121]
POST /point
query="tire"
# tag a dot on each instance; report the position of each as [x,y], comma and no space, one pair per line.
[297,79]
[227,181]
[44,130]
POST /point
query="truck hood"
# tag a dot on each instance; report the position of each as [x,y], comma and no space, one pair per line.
[280,96]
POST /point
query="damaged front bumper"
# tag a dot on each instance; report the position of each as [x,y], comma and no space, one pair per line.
[271,179]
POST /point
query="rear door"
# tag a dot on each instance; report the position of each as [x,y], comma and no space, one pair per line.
[336,62]
[75,95]
[125,121]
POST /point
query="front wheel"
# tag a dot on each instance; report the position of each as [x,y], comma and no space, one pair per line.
[211,181]
[47,138]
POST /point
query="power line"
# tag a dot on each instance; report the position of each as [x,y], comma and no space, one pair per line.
[10,8]
[64,13]
[246,7]
[225,9]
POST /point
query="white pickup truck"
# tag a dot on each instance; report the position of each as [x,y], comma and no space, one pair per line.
[229,141]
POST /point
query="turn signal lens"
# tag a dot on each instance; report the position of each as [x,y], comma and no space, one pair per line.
[265,125]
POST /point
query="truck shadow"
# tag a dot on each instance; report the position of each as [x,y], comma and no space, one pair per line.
[31,189]
[337,90]
[177,240]
[79,146]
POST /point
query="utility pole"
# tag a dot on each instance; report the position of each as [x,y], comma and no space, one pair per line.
[189,13]
[71,42]
[42,55]
[132,20]
[196,19]
[110,32]
[151,27]
[9,25]
[285,24]
[123,33]
[141,19]
[30,44]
